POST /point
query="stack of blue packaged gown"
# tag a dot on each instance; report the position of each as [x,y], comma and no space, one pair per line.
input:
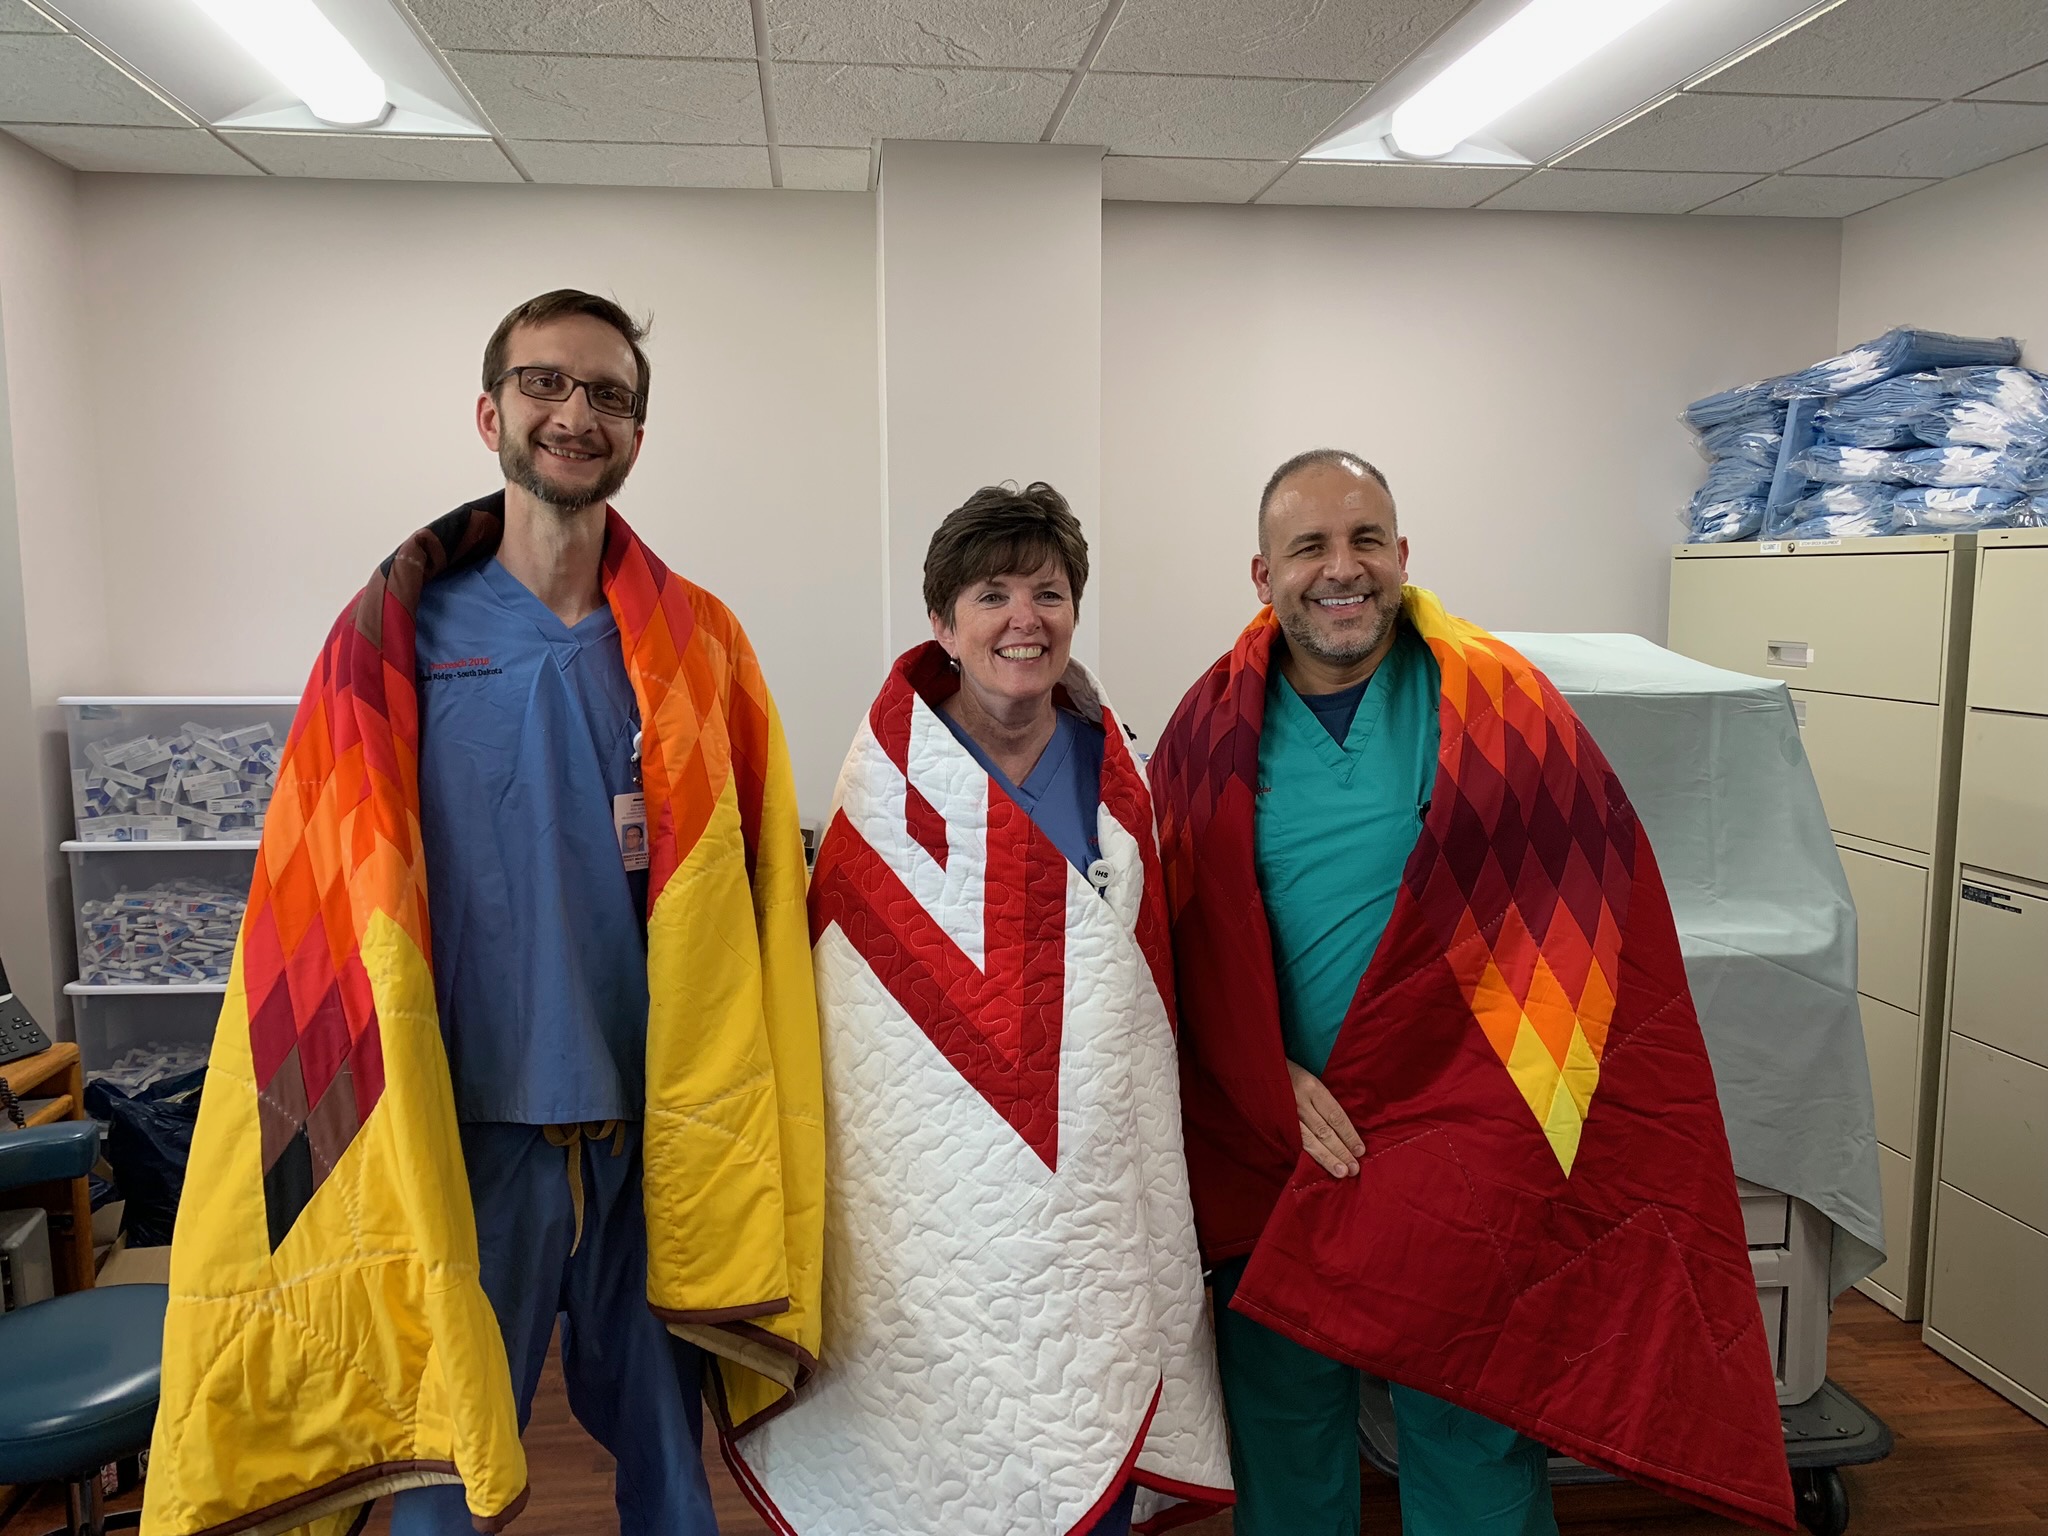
[1915,432]
[1895,352]
[1740,431]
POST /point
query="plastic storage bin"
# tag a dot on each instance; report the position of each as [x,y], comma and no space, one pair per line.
[158,891]
[173,769]
[157,914]
[173,1025]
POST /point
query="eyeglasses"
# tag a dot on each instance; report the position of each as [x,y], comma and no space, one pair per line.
[553,384]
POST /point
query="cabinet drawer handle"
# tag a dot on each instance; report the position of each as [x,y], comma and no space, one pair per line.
[1788,653]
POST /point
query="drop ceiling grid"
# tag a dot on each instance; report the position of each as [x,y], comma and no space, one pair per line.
[1202,100]
[86,69]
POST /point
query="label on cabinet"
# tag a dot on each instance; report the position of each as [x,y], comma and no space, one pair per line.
[2000,992]
[1986,896]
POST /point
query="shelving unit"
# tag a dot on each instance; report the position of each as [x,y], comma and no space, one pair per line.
[111,1018]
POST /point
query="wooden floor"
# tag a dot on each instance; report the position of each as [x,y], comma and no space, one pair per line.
[1967,1462]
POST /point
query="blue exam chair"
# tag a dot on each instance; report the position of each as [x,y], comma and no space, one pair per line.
[78,1373]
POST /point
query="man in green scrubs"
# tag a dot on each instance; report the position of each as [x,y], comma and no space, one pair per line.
[1346,764]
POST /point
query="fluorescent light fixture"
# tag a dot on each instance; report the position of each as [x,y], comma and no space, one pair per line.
[1529,50]
[299,45]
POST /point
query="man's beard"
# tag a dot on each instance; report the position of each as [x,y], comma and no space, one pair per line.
[523,470]
[1299,627]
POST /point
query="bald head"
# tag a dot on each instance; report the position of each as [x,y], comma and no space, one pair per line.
[1332,564]
[1329,459]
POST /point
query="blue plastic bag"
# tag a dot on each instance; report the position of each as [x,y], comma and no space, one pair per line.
[1852,499]
[1719,442]
[1752,447]
[1965,466]
[2016,391]
[1956,509]
[1833,464]
[1872,432]
[1979,423]
[1900,399]
[1895,352]
[1734,480]
[1730,405]
[1724,522]
[1789,483]
[1836,525]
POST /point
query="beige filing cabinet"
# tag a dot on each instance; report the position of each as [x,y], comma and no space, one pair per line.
[1872,638]
[1987,1277]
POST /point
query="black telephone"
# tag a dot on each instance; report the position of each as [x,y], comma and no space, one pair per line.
[20,1034]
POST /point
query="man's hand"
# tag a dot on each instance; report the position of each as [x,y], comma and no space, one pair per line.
[1326,1132]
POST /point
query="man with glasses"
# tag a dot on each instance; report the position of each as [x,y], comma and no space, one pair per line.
[537,884]
[522,1024]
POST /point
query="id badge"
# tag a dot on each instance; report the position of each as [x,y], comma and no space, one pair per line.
[629,821]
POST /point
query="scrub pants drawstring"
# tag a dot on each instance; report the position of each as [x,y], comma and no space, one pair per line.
[571,1139]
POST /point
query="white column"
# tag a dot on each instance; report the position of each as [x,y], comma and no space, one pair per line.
[990,269]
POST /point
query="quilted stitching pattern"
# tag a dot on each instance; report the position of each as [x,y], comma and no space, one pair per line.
[1547,1230]
[1538,831]
[342,842]
[1013,1303]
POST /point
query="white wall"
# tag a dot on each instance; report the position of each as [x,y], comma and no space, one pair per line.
[282,376]
[52,616]
[991,279]
[1965,255]
[1516,375]
[288,375]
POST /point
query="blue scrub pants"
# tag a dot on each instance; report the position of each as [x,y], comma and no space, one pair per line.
[1116,1520]
[632,1383]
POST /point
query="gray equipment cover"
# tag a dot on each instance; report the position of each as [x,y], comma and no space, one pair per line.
[1713,763]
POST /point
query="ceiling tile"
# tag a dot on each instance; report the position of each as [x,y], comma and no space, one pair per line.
[1619,191]
[375,157]
[1002,34]
[159,151]
[1139,178]
[583,164]
[17,17]
[1955,137]
[1897,48]
[1815,197]
[617,101]
[1207,117]
[1285,39]
[854,104]
[1391,186]
[808,169]
[669,29]
[56,78]
[2027,85]
[1704,132]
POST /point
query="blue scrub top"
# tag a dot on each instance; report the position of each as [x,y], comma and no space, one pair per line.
[1063,791]
[1336,819]
[540,949]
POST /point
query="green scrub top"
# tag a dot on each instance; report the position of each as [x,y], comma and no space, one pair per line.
[1335,825]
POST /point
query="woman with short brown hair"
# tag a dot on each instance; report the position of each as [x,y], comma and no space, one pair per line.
[1015,1332]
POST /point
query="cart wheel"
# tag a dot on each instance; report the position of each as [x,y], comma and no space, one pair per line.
[1823,1503]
